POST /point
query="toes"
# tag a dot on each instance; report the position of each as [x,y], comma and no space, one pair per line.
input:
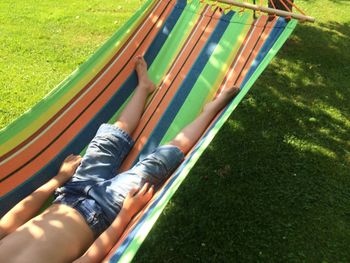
[140,63]
[139,59]
[230,92]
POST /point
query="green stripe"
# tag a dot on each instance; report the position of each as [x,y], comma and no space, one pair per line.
[29,122]
[174,42]
[208,81]
[272,52]
[153,216]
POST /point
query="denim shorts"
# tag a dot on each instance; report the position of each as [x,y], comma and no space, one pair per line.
[97,191]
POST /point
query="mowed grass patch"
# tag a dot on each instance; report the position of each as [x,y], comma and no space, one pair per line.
[41,43]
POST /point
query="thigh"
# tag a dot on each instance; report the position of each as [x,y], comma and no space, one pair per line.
[111,193]
[102,159]
[154,169]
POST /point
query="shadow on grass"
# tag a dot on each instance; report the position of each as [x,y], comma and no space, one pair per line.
[274,184]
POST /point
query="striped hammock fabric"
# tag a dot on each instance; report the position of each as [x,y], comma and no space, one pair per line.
[193,51]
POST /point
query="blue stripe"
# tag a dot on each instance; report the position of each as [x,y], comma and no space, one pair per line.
[168,117]
[270,41]
[88,132]
[162,36]
[265,53]
[282,24]
[186,87]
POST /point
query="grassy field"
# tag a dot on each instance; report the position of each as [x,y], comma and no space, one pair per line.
[274,184]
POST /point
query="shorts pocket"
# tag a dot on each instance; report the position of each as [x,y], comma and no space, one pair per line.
[91,210]
[94,216]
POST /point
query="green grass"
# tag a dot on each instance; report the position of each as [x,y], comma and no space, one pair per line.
[274,184]
[43,42]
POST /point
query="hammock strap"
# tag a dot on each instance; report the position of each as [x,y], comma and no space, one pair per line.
[273,5]
[296,7]
[285,5]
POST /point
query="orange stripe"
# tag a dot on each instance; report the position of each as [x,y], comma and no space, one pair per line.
[251,52]
[169,87]
[158,97]
[263,28]
[48,154]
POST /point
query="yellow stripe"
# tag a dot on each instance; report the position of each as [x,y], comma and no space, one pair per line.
[231,56]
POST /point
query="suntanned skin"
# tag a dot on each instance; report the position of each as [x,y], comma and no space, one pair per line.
[57,224]
[60,233]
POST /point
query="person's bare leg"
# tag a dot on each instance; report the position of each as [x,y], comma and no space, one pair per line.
[130,116]
[188,136]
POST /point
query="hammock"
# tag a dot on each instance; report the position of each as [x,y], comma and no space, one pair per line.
[193,50]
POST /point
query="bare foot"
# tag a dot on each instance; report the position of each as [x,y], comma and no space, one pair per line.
[222,99]
[142,74]
[229,93]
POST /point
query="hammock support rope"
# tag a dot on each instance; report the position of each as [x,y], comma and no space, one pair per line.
[268,10]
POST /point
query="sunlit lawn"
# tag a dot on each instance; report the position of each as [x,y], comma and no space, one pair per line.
[274,184]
